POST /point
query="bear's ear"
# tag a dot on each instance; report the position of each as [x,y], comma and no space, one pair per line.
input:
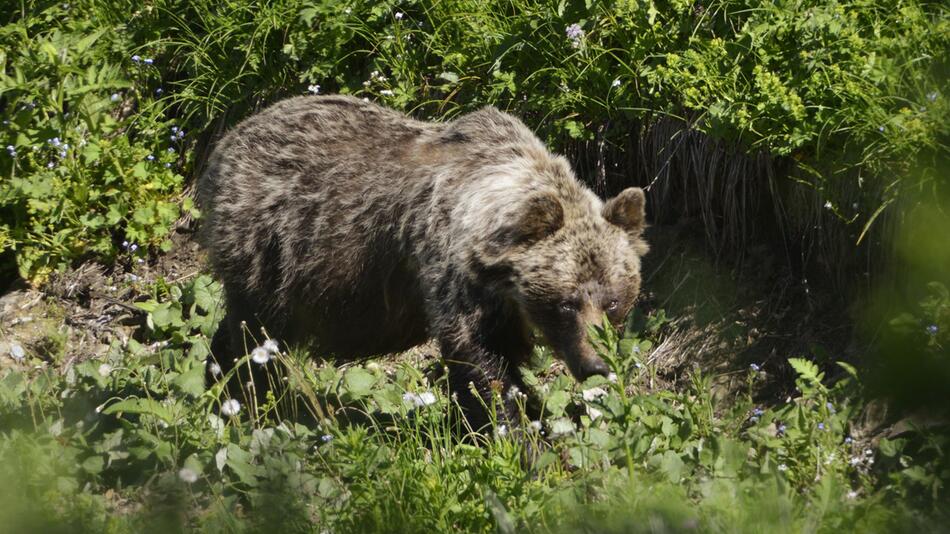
[626,210]
[539,216]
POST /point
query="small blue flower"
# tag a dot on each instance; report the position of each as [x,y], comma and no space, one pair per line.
[150,157]
[62,153]
[11,150]
[781,429]
[148,61]
[172,137]
[174,129]
[125,244]
[180,134]
[168,165]
[326,438]
[133,247]
[831,407]
[136,58]
[115,97]
[55,141]
[755,367]
[880,128]
[848,440]
[821,426]
[758,412]
[50,165]
[159,91]
[170,150]
[932,329]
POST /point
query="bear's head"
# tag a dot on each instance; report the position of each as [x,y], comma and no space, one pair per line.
[569,260]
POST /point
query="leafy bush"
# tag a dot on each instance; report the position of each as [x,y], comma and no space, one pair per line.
[89,161]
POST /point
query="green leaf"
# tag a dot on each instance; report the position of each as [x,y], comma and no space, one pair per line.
[358,381]
[192,381]
[142,407]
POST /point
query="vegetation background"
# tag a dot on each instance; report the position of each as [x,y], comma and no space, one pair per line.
[788,369]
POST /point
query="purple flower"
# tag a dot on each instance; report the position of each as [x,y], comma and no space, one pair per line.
[575,34]
[326,438]
[821,426]
[932,329]
[848,440]
[148,61]
[755,367]
[136,58]
[11,150]
[159,91]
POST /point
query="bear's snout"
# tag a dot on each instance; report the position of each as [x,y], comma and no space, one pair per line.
[591,366]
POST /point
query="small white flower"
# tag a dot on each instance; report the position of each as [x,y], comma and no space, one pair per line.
[535,426]
[348,10]
[115,97]
[386,92]
[782,467]
[214,368]
[828,205]
[419,400]
[17,352]
[512,392]
[260,355]
[271,346]
[502,430]
[230,407]
[855,460]
[105,369]
[868,452]
[852,495]
[314,88]
[593,394]
[188,475]
[616,83]
[398,15]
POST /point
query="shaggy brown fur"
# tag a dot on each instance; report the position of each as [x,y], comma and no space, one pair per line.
[356,231]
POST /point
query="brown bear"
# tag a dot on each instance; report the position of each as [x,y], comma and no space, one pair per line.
[354,230]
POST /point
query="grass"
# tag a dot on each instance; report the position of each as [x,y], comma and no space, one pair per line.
[813,125]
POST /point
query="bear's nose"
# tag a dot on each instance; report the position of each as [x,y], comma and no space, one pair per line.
[594,366]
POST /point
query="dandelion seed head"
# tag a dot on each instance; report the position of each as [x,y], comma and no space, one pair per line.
[105,369]
[230,407]
[188,475]
[260,355]
[214,369]
[271,345]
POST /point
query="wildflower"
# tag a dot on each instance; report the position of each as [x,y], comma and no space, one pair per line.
[168,165]
[419,400]
[260,355]
[159,91]
[115,97]
[105,369]
[574,33]
[214,368]
[868,452]
[326,438]
[174,129]
[271,346]
[831,407]
[314,88]
[828,205]
[148,61]
[180,134]
[781,429]
[782,467]
[932,329]
[932,96]
[11,150]
[502,431]
[348,10]
[55,142]
[593,394]
[133,247]
[17,352]
[755,367]
[50,165]
[535,426]
[188,475]
[758,412]
[852,495]
[230,407]
[512,392]
[150,157]
[880,128]
[136,58]
[398,15]
[125,244]
[754,419]
[821,426]
[170,150]
[855,460]
[616,83]
[386,92]
[848,440]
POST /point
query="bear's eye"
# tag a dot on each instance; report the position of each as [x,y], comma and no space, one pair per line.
[613,306]
[567,306]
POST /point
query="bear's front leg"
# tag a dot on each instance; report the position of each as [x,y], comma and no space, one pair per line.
[483,373]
